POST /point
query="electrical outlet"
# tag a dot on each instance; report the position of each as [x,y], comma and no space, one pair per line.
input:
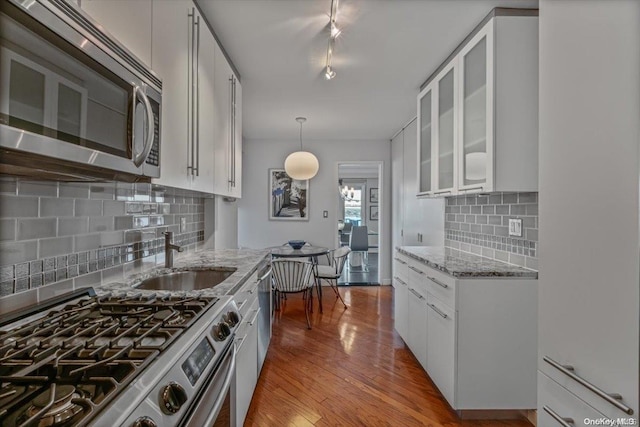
[183,224]
[515,227]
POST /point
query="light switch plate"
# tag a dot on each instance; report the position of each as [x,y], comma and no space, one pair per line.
[515,227]
[183,224]
[325,214]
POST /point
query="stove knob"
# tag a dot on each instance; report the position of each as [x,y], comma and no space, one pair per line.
[144,422]
[232,318]
[172,397]
[221,331]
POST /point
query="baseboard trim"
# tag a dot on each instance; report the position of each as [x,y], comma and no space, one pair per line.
[494,414]
[385,282]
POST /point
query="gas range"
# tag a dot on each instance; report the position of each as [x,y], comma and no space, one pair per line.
[113,359]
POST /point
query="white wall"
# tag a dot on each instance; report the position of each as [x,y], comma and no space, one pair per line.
[256,231]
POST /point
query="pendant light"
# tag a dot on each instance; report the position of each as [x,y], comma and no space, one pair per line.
[301,165]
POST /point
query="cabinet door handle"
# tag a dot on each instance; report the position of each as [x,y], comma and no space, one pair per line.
[563,421]
[402,282]
[466,190]
[197,96]
[190,95]
[230,133]
[264,276]
[413,291]
[437,310]
[240,342]
[400,261]
[416,270]
[612,398]
[437,282]
[233,130]
[255,317]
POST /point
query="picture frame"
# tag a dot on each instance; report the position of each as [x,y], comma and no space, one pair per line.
[288,198]
[373,213]
[373,195]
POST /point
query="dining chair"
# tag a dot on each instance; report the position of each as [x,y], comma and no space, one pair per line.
[294,276]
[331,273]
[359,242]
[345,233]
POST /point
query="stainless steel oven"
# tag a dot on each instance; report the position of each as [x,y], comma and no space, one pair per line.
[74,103]
[141,359]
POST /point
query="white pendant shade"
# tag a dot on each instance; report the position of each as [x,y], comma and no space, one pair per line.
[301,165]
[476,166]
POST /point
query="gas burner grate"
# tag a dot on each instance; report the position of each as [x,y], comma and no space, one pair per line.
[95,346]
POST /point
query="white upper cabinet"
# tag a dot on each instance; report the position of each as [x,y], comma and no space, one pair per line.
[476,118]
[228,128]
[172,59]
[445,148]
[425,125]
[202,177]
[482,122]
[128,21]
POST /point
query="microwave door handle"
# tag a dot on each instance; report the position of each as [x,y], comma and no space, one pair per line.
[227,382]
[141,157]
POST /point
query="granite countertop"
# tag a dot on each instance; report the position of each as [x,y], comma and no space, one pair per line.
[464,265]
[246,261]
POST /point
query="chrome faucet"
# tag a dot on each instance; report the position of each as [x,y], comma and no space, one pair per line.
[169,247]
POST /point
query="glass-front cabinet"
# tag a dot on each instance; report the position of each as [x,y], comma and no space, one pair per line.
[478,112]
[425,130]
[475,162]
[445,149]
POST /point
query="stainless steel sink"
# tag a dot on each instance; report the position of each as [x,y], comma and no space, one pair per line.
[187,280]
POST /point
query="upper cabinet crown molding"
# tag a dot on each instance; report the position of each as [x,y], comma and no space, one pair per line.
[478,113]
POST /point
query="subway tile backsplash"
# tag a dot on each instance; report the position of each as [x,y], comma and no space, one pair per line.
[479,224]
[51,232]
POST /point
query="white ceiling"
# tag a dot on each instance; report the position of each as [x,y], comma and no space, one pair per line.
[386,51]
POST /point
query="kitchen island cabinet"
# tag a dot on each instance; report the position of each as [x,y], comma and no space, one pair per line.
[479,321]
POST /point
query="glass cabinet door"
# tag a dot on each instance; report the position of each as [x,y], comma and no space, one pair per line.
[424,142]
[446,131]
[476,152]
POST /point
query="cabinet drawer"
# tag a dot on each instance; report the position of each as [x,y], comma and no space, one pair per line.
[441,285]
[417,277]
[401,267]
[556,403]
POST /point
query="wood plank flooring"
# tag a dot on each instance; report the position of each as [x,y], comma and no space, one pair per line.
[351,369]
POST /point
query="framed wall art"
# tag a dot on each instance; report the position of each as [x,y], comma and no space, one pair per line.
[288,198]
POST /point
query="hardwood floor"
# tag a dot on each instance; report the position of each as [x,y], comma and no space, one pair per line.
[351,369]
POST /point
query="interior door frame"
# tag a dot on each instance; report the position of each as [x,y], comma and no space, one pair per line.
[382,200]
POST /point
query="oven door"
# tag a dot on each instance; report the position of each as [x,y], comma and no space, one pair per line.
[214,405]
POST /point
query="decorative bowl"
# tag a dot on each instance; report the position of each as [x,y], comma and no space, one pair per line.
[296,244]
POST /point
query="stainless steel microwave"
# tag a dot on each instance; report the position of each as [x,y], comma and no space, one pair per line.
[74,103]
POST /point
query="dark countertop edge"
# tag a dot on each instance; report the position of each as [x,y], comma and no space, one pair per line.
[531,274]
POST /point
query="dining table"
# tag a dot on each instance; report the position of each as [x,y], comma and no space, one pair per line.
[307,251]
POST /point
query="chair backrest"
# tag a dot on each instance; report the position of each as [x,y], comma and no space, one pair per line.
[359,239]
[347,228]
[340,258]
[345,234]
[291,275]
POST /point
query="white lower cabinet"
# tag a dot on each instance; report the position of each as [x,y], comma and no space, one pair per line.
[400,307]
[417,338]
[559,407]
[441,346]
[246,376]
[475,337]
[246,362]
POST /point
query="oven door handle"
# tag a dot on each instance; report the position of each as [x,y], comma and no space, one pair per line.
[227,383]
[141,157]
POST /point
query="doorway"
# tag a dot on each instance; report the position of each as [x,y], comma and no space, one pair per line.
[359,204]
